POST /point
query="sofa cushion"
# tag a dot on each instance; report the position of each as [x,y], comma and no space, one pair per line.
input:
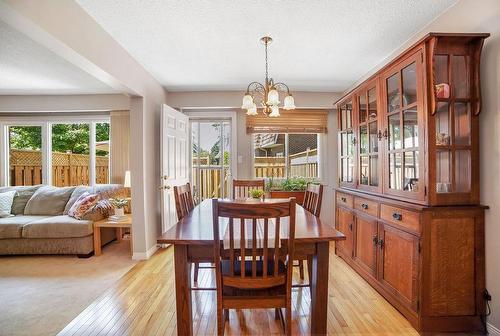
[48,200]
[6,199]
[22,197]
[79,191]
[62,226]
[12,227]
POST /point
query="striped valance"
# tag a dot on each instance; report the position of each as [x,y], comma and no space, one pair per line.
[292,121]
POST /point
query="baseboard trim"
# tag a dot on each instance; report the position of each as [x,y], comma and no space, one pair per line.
[492,330]
[145,255]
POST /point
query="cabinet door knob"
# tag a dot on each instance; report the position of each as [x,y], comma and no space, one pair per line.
[381,243]
[350,227]
[386,134]
[344,199]
[379,135]
[364,206]
[397,216]
[375,240]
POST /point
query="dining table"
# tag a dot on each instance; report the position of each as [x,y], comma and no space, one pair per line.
[192,239]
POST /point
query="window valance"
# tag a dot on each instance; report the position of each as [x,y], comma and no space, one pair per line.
[292,121]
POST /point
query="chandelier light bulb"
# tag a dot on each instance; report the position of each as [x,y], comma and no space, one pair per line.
[247,102]
[275,111]
[252,111]
[289,103]
[273,97]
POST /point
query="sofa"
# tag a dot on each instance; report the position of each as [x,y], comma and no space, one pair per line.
[40,223]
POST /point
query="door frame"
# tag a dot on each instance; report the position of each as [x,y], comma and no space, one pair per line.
[207,115]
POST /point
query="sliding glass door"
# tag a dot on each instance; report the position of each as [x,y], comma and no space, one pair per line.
[211,158]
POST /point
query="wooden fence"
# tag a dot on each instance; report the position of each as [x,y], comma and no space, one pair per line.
[303,164]
[67,169]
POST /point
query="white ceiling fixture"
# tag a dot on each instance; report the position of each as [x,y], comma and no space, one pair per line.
[269,92]
[324,45]
[28,68]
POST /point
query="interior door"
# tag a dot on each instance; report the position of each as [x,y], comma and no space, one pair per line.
[174,160]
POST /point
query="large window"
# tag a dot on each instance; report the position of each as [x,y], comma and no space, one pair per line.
[62,153]
[281,155]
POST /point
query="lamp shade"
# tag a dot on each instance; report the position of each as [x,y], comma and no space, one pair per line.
[252,110]
[126,180]
[289,103]
[275,111]
[273,97]
[247,102]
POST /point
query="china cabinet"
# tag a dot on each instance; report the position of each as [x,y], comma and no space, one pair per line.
[408,196]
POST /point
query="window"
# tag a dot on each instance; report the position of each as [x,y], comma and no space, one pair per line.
[286,155]
[60,153]
[25,155]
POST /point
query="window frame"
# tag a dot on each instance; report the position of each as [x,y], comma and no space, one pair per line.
[320,139]
[46,123]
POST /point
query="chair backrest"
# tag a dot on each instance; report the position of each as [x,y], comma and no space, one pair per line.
[265,219]
[183,200]
[313,198]
[241,188]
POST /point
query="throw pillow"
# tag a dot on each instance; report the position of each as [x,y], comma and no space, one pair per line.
[102,209]
[6,200]
[83,204]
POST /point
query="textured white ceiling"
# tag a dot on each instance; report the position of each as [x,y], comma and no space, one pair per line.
[27,67]
[214,45]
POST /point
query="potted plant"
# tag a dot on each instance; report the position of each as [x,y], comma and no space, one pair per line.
[119,205]
[256,193]
[291,187]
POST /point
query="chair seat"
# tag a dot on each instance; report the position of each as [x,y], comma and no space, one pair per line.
[249,283]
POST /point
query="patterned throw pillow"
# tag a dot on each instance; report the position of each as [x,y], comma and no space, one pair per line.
[83,204]
[6,200]
[102,209]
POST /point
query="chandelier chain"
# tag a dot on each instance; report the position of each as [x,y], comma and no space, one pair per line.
[267,66]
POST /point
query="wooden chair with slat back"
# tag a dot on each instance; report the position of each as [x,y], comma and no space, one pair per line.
[312,203]
[241,188]
[243,280]
[184,203]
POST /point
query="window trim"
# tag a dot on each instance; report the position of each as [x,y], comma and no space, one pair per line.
[46,123]
[321,138]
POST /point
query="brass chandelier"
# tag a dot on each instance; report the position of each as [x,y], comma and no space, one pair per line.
[268,93]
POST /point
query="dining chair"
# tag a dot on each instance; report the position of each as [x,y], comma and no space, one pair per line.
[243,280]
[184,203]
[241,188]
[312,202]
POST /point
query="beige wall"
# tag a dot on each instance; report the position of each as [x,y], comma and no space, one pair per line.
[481,16]
[231,100]
[119,145]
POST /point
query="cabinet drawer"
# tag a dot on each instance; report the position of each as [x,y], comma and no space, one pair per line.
[367,206]
[344,200]
[405,218]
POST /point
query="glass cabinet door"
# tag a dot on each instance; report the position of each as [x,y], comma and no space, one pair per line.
[347,142]
[452,119]
[369,138]
[403,139]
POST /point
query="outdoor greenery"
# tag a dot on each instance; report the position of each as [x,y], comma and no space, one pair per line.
[289,184]
[73,138]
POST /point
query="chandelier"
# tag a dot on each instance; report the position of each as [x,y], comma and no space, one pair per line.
[267,92]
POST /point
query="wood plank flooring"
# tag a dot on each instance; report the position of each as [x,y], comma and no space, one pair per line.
[143,303]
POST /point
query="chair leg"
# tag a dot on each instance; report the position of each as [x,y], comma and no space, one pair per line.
[277,313]
[301,269]
[309,269]
[220,320]
[195,275]
[226,315]
[288,325]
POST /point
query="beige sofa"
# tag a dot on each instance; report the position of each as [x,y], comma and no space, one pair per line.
[41,224]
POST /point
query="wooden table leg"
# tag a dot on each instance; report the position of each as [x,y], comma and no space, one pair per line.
[182,292]
[97,241]
[119,234]
[319,289]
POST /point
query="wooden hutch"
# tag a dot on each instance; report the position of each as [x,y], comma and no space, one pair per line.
[408,196]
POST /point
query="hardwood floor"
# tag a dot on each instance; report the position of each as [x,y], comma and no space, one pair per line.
[143,303]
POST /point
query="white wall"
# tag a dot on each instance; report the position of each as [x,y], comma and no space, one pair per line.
[480,16]
[231,100]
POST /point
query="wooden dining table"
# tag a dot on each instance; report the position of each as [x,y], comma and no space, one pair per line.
[192,238]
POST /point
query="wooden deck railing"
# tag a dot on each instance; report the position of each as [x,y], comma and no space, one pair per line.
[67,169]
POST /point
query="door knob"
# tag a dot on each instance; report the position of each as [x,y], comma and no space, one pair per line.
[165,177]
[164,187]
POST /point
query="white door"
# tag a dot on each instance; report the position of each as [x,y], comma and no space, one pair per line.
[174,160]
